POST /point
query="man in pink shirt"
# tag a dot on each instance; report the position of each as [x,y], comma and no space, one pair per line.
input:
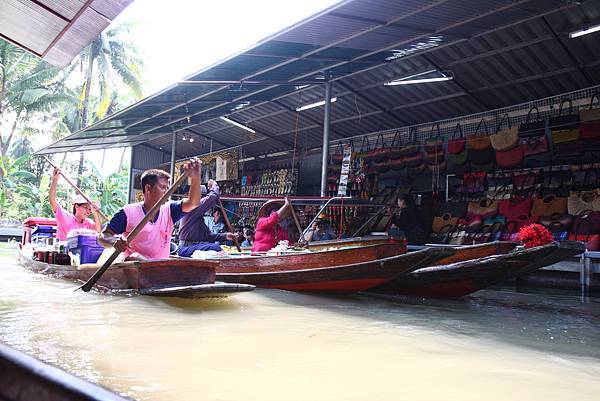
[66,221]
[154,240]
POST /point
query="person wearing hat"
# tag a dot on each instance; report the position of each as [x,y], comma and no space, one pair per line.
[269,230]
[66,221]
[194,234]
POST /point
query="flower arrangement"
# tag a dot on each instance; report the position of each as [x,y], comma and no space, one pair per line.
[535,235]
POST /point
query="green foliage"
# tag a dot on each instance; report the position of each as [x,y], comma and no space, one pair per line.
[24,194]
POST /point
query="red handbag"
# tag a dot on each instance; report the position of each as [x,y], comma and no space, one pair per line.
[535,145]
[457,144]
[510,158]
[515,207]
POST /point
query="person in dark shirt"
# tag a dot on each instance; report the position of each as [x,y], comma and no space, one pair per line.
[409,222]
[194,235]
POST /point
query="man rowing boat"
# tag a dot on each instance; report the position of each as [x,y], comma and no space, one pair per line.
[154,241]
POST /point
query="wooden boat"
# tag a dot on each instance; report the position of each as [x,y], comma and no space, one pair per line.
[24,378]
[464,253]
[340,271]
[167,277]
[462,278]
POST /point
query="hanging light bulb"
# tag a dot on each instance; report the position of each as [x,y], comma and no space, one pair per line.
[191,139]
[183,138]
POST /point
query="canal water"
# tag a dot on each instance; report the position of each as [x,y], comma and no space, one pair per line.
[275,345]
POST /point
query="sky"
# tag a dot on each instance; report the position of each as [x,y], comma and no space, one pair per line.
[180,37]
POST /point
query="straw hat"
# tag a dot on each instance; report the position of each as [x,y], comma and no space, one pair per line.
[79,200]
[262,212]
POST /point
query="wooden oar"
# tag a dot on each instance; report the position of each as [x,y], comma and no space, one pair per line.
[297,221]
[150,215]
[229,228]
[105,217]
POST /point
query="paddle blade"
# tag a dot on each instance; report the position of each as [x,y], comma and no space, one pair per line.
[96,276]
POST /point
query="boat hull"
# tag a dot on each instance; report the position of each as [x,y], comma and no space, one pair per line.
[337,278]
[24,378]
[463,278]
[142,277]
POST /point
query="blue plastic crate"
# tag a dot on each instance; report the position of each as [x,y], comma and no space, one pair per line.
[86,246]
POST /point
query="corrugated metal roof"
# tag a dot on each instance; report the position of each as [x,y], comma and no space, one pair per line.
[56,30]
[500,53]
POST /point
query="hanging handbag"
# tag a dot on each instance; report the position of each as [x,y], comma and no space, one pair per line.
[418,170]
[515,207]
[382,167]
[557,222]
[457,142]
[590,121]
[411,147]
[571,149]
[533,127]
[471,223]
[397,164]
[548,206]
[365,148]
[585,201]
[486,167]
[504,140]
[379,152]
[483,208]
[435,142]
[535,145]
[510,158]
[395,152]
[454,209]
[479,141]
[443,221]
[565,128]
[474,183]
[525,181]
[587,223]
[338,155]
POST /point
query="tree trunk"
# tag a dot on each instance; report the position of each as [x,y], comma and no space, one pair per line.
[84,110]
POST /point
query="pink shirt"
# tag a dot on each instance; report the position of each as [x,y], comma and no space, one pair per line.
[66,222]
[154,241]
[268,233]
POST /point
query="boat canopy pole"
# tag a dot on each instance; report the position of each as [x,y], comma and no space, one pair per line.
[325,153]
[321,211]
[368,221]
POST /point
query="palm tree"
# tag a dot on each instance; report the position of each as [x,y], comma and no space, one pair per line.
[109,56]
[29,89]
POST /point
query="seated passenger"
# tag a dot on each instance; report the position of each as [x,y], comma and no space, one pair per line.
[215,222]
[249,238]
[154,240]
[194,235]
[320,231]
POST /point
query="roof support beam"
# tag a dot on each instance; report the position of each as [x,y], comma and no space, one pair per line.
[455,81]
[569,53]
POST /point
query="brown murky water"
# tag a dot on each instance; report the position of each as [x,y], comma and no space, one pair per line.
[274,345]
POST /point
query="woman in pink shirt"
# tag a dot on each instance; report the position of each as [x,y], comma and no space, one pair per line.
[268,230]
[66,221]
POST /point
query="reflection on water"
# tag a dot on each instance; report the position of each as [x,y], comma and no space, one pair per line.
[275,345]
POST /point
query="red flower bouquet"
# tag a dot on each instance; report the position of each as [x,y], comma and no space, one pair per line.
[535,235]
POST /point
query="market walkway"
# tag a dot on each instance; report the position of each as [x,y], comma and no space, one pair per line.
[274,345]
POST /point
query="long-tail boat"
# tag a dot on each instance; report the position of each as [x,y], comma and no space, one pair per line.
[339,270]
[462,278]
[24,378]
[166,277]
